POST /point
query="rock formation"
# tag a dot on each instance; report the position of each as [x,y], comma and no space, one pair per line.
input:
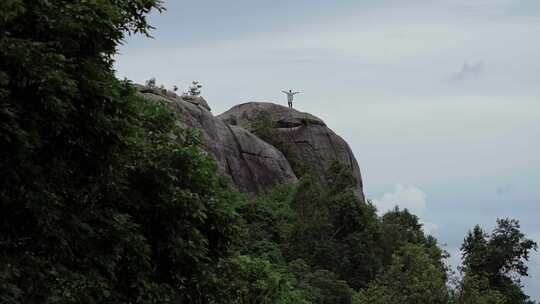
[311,140]
[253,164]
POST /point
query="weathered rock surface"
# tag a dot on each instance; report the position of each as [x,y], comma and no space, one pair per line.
[253,164]
[199,100]
[246,114]
[312,141]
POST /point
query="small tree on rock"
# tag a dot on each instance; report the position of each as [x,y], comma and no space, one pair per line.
[151,83]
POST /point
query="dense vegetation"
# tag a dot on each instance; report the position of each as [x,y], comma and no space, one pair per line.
[104,200]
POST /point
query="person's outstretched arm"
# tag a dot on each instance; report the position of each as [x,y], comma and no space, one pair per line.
[285,92]
[297,92]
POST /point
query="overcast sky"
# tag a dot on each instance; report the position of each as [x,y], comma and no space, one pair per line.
[439,99]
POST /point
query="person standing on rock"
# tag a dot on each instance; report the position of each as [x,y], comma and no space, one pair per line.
[290,96]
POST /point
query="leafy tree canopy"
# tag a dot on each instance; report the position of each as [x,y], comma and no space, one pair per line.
[102,197]
[498,259]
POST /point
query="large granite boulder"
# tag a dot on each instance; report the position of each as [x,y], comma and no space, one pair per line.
[246,114]
[312,141]
[252,164]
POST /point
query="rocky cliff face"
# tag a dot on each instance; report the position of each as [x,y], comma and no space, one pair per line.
[253,164]
[310,139]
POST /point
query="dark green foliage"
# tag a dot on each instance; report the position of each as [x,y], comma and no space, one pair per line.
[293,228]
[330,247]
[339,178]
[330,229]
[473,289]
[254,280]
[335,231]
[413,277]
[400,227]
[497,261]
[102,198]
[327,288]
[329,240]
[153,228]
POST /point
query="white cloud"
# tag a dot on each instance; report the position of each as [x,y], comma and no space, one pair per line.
[409,197]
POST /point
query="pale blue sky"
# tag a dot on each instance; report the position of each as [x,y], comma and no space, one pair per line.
[439,99]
